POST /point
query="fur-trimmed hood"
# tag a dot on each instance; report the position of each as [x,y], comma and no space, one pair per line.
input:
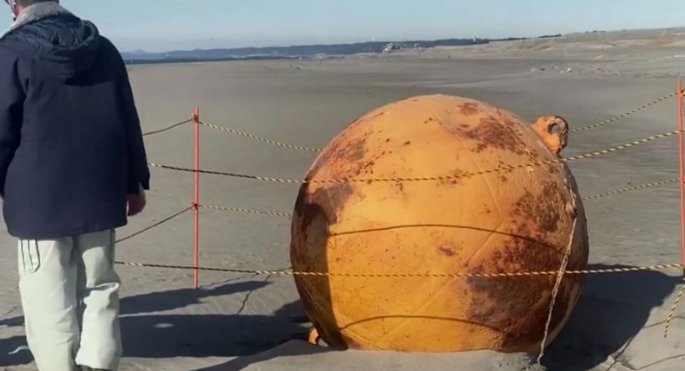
[54,37]
[39,11]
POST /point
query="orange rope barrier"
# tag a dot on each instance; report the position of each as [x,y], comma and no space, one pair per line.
[195,206]
[422,179]
[658,267]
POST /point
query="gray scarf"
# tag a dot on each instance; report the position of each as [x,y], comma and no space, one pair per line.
[37,12]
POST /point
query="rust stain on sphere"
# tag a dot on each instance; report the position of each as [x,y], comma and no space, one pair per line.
[507,221]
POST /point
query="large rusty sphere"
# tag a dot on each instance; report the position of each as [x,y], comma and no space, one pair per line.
[489,213]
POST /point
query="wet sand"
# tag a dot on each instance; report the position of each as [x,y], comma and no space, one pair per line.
[232,319]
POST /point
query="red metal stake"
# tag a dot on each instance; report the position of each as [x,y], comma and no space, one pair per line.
[680,170]
[196,200]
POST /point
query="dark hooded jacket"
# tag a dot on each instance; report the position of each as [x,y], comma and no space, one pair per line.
[71,147]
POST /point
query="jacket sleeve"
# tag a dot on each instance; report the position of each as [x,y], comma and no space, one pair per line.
[139,172]
[11,111]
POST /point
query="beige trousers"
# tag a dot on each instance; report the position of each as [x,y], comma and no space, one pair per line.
[60,279]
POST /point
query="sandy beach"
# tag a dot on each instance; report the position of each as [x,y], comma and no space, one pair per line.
[242,322]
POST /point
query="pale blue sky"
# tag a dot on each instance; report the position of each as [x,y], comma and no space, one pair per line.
[186,24]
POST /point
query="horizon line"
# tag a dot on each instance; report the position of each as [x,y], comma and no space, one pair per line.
[491,39]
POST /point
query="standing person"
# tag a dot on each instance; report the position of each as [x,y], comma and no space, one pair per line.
[73,168]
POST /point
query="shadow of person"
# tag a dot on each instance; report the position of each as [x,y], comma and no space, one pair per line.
[12,322]
[14,352]
[611,311]
[147,334]
[169,300]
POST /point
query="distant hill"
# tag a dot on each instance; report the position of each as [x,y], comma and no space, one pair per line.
[300,51]
[285,52]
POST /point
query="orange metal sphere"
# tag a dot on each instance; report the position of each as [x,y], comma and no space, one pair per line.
[490,214]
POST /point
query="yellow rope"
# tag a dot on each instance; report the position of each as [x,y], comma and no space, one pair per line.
[555,292]
[422,179]
[255,137]
[289,215]
[311,149]
[624,115]
[243,210]
[674,308]
[659,267]
[635,188]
